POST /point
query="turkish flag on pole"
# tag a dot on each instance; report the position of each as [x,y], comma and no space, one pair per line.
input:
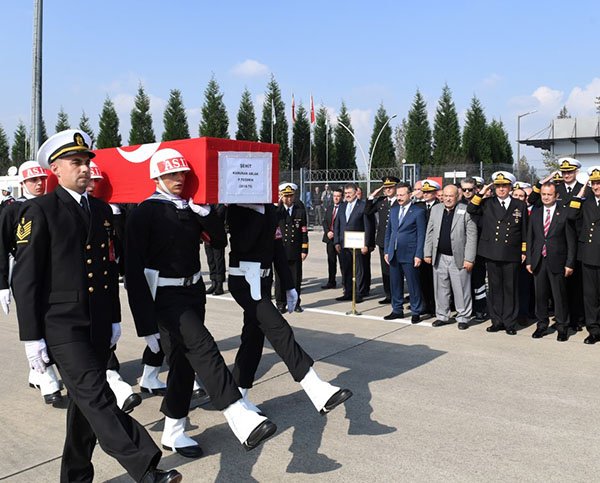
[312,110]
[293,109]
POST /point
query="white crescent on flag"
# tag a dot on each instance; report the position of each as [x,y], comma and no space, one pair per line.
[141,154]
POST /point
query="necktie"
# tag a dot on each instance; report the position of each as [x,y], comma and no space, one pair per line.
[333,217]
[83,202]
[348,211]
[569,189]
[401,215]
[503,204]
[546,228]
[290,210]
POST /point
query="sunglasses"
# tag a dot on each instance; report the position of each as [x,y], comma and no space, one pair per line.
[468,189]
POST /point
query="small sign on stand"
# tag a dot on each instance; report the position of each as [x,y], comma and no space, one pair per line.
[354,240]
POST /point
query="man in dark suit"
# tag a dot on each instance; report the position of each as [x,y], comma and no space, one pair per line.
[352,217]
[404,242]
[502,244]
[381,206]
[585,210]
[331,214]
[551,250]
[68,308]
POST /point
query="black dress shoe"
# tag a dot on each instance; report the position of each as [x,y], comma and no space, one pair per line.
[415,319]
[212,288]
[328,285]
[132,401]
[282,309]
[562,337]
[394,315]
[187,451]
[591,339]
[219,289]
[359,300]
[439,323]
[427,315]
[539,333]
[53,398]
[385,301]
[298,309]
[159,391]
[264,430]
[343,298]
[480,317]
[337,399]
[159,476]
[463,326]
[199,393]
[493,328]
[511,331]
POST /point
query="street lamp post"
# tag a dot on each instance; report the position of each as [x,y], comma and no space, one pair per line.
[519,134]
[368,161]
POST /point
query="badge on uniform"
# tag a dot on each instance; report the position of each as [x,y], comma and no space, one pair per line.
[23,231]
[278,235]
[517,214]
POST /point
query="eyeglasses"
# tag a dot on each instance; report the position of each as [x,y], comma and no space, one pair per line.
[468,190]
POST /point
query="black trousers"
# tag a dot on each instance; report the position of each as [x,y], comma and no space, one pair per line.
[364,286]
[190,348]
[575,297]
[93,414]
[332,261]
[216,263]
[591,297]
[346,264]
[295,267]
[480,302]
[548,284]
[261,318]
[427,292]
[527,294]
[385,274]
[503,278]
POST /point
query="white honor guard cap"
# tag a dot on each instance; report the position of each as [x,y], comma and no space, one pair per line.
[568,164]
[166,161]
[521,185]
[503,177]
[95,171]
[287,189]
[429,185]
[64,143]
[31,169]
[6,188]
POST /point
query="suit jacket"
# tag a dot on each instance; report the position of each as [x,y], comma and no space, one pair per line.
[359,221]
[587,214]
[294,229]
[463,234]
[328,224]
[503,230]
[561,241]
[406,240]
[64,281]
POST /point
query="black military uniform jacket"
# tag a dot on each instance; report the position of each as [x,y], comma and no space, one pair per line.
[294,230]
[256,237]
[159,236]
[587,212]
[382,207]
[63,282]
[561,241]
[9,218]
[503,230]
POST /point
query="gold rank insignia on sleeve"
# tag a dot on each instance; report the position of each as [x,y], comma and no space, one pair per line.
[23,231]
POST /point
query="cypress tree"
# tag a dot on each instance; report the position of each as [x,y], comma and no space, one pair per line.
[175,118]
[500,148]
[108,133]
[301,138]
[345,149]
[141,120]
[215,121]
[323,147]
[418,133]
[62,121]
[400,141]
[43,133]
[4,152]
[475,140]
[384,155]
[280,128]
[20,148]
[84,125]
[446,130]
[246,119]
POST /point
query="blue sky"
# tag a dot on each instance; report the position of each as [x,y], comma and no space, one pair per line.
[515,56]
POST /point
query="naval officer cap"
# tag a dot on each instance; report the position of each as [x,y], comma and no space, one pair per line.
[594,173]
[557,178]
[389,181]
[503,177]
[31,169]
[479,181]
[521,185]
[568,164]
[429,185]
[64,143]
[287,189]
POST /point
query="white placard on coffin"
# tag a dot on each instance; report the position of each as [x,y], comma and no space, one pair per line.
[245,177]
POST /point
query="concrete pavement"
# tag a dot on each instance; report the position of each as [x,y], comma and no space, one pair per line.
[430,404]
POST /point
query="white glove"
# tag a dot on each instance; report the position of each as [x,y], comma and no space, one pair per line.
[5,299]
[201,210]
[116,334]
[292,299]
[152,342]
[258,208]
[37,355]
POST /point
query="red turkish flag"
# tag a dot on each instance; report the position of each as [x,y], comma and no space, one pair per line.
[312,110]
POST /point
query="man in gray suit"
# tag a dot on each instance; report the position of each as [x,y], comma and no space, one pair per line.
[451,246]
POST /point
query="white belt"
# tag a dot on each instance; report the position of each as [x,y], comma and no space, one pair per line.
[238,272]
[179,282]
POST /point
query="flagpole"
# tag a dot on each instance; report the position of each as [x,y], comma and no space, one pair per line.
[292,156]
[326,149]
